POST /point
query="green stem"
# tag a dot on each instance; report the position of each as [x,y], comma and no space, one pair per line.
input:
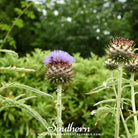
[111,73]
[59,111]
[125,125]
[117,122]
[122,117]
[133,104]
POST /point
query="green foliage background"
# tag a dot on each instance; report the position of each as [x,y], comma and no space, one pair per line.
[88,74]
[75,26]
[92,25]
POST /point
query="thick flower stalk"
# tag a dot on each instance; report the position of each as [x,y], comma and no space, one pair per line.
[112,65]
[120,50]
[134,104]
[132,67]
[122,117]
[59,72]
[117,122]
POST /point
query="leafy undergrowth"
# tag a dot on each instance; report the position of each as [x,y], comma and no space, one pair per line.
[88,74]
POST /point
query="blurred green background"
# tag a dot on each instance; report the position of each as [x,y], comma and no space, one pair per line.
[72,25]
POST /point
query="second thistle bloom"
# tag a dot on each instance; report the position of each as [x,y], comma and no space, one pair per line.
[121,50]
[132,66]
[111,64]
[59,65]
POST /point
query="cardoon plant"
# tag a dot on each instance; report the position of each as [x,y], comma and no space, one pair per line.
[112,65]
[120,53]
[59,72]
[120,50]
[132,67]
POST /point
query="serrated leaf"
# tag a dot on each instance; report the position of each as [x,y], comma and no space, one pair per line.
[136,93]
[132,115]
[105,101]
[101,117]
[34,114]
[9,51]
[27,98]
[44,134]
[17,69]
[18,97]
[102,87]
[126,86]
[22,86]
[104,109]
[6,103]
[126,99]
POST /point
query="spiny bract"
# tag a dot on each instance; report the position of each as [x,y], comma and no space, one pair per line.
[132,66]
[111,64]
[121,50]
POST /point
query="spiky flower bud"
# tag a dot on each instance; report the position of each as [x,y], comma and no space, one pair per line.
[121,50]
[111,64]
[59,65]
[132,66]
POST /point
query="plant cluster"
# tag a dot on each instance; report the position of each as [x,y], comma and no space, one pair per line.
[121,54]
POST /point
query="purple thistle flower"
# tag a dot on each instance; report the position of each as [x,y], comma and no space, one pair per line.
[59,67]
[58,56]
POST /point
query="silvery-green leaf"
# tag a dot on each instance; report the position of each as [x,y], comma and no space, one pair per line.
[105,101]
[44,134]
[132,115]
[136,93]
[27,98]
[126,99]
[17,69]
[18,97]
[102,87]
[9,51]
[7,102]
[22,86]
[104,110]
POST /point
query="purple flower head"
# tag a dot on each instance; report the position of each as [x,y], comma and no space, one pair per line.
[58,65]
[58,56]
